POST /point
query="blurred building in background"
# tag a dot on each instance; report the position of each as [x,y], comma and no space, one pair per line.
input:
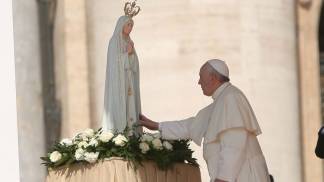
[274,50]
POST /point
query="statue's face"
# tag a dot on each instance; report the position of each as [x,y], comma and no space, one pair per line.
[128,27]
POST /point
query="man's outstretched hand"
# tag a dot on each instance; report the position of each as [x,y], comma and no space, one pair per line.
[144,121]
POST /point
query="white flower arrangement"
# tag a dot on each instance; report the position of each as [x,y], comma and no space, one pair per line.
[90,146]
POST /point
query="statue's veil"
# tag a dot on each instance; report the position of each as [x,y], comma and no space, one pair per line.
[114,114]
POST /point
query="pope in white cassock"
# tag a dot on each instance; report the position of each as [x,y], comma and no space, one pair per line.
[228,126]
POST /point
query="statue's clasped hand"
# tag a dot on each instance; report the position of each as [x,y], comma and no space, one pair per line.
[130,47]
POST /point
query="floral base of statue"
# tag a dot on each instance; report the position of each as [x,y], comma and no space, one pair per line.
[120,170]
[104,156]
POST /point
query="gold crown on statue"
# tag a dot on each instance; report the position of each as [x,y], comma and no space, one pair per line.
[131,9]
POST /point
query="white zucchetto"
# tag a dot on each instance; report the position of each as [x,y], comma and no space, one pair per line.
[220,66]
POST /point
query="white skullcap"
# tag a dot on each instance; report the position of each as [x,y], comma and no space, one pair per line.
[220,66]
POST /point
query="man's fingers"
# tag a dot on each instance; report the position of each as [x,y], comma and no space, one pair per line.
[142,117]
[141,122]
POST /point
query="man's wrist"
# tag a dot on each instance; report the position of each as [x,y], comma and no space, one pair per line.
[158,126]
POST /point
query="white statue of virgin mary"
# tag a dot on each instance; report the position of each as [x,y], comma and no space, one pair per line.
[122,103]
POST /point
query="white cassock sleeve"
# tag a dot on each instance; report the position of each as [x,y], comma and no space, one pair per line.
[174,130]
[232,153]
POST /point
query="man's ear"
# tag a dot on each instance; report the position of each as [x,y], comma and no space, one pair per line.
[216,80]
[213,78]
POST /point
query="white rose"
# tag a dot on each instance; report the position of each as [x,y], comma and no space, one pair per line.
[146,138]
[157,135]
[83,144]
[79,154]
[89,132]
[85,137]
[157,144]
[75,141]
[167,145]
[66,141]
[76,136]
[106,136]
[55,156]
[81,136]
[120,140]
[144,147]
[93,142]
[91,157]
